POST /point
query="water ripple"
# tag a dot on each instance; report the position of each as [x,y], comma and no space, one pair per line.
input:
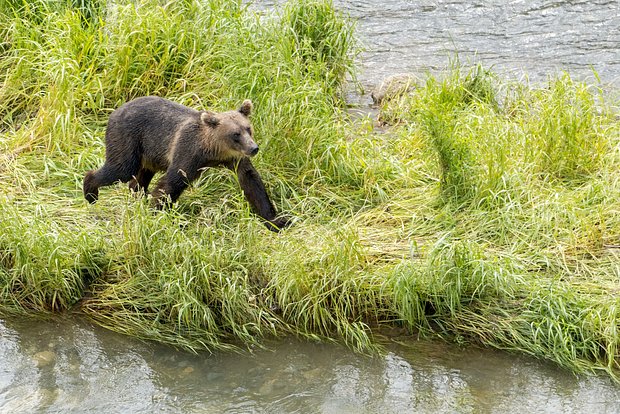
[539,38]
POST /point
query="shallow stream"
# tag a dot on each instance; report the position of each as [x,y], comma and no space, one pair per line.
[517,39]
[67,365]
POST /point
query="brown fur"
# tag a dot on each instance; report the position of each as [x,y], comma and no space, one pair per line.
[152,134]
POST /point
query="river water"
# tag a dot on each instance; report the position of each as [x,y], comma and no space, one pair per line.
[515,38]
[66,365]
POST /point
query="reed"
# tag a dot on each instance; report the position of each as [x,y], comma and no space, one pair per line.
[487,213]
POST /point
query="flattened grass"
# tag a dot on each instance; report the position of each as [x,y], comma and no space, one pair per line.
[486,213]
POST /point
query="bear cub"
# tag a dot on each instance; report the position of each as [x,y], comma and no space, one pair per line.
[151,134]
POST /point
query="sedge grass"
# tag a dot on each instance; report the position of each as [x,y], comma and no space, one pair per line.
[488,213]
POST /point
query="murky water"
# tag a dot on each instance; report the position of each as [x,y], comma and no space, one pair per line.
[67,365]
[538,38]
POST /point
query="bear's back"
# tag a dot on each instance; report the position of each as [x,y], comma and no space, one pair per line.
[152,110]
[149,118]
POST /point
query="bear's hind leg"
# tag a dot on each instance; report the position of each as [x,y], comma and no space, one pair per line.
[91,187]
[102,177]
[140,183]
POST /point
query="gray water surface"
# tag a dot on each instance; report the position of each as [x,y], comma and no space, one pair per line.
[516,38]
[67,365]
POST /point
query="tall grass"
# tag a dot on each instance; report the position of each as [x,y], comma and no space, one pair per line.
[487,213]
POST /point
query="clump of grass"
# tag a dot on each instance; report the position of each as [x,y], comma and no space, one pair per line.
[154,289]
[576,330]
[563,137]
[455,157]
[319,285]
[46,262]
[456,275]
[447,111]
[320,38]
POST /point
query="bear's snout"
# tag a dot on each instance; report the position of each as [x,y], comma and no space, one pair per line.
[254,151]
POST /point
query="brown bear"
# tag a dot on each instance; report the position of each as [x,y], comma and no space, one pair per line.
[151,134]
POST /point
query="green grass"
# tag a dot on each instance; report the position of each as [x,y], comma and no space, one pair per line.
[487,213]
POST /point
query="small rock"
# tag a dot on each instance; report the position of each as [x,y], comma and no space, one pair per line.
[44,358]
[215,376]
[267,387]
[393,86]
[188,370]
[313,374]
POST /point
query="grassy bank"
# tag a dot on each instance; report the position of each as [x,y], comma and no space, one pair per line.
[486,213]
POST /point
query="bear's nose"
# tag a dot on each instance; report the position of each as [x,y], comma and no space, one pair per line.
[254,151]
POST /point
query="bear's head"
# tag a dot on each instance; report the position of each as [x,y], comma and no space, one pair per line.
[232,131]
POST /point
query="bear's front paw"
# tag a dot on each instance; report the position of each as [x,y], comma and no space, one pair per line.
[279,223]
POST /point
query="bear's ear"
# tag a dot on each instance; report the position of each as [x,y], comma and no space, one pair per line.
[246,107]
[209,118]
